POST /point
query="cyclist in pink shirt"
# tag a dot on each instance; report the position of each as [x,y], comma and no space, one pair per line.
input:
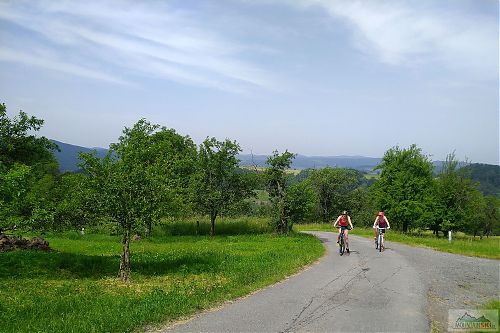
[344,222]
[380,221]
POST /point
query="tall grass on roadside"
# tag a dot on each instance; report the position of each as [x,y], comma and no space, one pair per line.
[223,226]
[461,243]
[75,289]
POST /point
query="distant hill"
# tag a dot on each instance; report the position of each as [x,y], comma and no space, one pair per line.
[68,159]
[317,162]
[487,175]
[68,155]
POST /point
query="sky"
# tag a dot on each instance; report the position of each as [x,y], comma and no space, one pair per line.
[316,77]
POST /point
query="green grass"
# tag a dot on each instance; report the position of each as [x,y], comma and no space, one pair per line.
[223,226]
[461,244]
[492,305]
[75,289]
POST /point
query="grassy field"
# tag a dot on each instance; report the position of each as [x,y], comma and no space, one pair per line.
[75,289]
[223,226]
[461,244]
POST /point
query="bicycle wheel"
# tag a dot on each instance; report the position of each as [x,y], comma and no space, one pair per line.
[380,241]
[342,244]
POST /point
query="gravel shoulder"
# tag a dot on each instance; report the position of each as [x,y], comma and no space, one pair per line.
[451,281]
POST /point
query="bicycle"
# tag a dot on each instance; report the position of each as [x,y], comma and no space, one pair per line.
[342,247]
[380,239]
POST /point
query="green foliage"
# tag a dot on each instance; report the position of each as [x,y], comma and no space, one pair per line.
[492,216]
[26,163]
[301,202]
[460,206]
[334,188]
[405,187]
[488,177]
[17,145]
[362,207]
[219,185]
[277,182]
[201,226]
[73,288]
[133,184]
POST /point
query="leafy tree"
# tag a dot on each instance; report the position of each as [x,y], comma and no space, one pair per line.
[177,156]
[460,205]
[74,202]
[277,181]
[14,186]
[130,184]
[301,202]
[25,160]
[333,187]
[218,184]
[492,218]
[17,146]
[404,186]
[487,175]
[361,207]
[475,219]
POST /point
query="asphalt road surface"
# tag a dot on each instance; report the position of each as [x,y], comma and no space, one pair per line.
[402,289]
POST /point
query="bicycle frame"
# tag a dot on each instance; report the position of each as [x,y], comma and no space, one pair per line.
[380,239]
[342,245]
[341,242]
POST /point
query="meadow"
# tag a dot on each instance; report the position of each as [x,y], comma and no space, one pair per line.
[75,287]
[461,243]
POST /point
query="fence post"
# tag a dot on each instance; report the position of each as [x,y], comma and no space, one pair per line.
[449,236]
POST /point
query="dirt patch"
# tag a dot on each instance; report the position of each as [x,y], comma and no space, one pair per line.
[10,243]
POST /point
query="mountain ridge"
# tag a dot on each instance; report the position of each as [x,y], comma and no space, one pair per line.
[67,156]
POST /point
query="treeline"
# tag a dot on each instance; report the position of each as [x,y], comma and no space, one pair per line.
[153,173]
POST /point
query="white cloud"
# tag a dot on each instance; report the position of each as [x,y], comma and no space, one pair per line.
[409,33]
[44,61]
[139,38]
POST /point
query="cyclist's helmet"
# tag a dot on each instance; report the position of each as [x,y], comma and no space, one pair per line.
[344,212]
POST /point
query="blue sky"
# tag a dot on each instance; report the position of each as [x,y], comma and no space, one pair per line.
[316,77]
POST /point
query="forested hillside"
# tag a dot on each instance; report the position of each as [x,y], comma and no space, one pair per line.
[488,177]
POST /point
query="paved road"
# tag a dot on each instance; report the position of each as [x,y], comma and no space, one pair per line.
[402,289]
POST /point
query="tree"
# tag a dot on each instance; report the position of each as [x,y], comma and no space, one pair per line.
[25,161]
[461,206]
[334,188]
[176,155]
[74,202]
[404,186]
[219,185]
[277,188]
[130,184]
[301,202]
[17,146]
[492,218]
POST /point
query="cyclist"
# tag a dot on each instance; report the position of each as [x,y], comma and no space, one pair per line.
[381,221]
[344,222]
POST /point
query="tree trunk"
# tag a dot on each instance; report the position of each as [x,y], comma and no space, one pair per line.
[149,227]
[125,258]
[213,216]
[405,226]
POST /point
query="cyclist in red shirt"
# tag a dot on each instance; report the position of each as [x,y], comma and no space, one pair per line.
[380,221]
[344,222]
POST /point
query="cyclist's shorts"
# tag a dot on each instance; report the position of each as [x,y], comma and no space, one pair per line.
[344,227]
[383,230]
